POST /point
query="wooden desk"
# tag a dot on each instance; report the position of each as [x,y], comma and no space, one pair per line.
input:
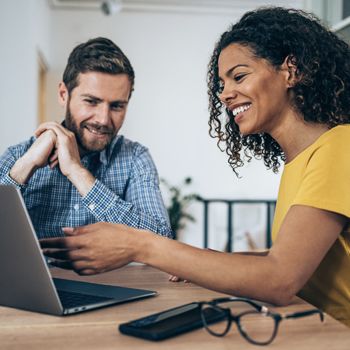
[99,329]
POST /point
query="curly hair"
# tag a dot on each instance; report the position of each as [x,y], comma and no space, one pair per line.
[96,55]
[321,93]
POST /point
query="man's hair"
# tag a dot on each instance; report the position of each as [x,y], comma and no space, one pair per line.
[322,89]
[96,55]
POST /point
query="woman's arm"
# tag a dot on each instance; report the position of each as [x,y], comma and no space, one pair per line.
[304,238]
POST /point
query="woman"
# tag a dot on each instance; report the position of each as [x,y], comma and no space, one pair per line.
[284,81]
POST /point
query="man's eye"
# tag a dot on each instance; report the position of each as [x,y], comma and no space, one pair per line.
[117,107]
[90,102]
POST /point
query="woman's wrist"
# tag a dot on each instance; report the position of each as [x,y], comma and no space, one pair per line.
[141,245]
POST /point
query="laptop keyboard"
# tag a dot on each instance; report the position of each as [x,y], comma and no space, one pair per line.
[72,299]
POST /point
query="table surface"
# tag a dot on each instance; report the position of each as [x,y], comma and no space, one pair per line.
[98,329]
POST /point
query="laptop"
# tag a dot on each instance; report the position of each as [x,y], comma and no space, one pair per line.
[25,280]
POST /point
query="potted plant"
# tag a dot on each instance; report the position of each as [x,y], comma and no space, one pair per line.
[178,203]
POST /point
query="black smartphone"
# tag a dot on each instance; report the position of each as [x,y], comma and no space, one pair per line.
[167,323]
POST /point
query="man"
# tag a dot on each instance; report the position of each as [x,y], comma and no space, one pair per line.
[81,171]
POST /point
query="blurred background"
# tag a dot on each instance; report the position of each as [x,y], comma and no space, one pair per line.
[169,43]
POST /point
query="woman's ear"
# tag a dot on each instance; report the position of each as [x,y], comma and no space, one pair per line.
[290,67]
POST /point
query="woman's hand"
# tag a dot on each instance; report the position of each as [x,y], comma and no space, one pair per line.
[94,248]
[173,278]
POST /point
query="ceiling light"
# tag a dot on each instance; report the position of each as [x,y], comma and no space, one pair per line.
[111,7]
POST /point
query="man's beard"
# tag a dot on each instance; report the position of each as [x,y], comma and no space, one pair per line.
[96,145]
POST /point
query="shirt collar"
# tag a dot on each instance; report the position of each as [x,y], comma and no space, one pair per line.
[106,154]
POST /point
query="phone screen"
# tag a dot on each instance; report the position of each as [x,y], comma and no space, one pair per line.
[165,324]
[185,310]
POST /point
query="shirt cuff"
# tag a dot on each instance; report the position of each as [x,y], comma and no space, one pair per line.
[8,180]
[99,199]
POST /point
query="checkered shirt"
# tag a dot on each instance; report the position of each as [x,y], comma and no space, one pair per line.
[126,191]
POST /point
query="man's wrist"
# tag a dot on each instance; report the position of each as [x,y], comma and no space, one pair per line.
[82,179]
[22,170]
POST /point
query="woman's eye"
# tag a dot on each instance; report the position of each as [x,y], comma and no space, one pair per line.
[221,87]
[239,77]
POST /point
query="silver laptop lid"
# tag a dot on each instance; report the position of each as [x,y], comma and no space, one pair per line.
[25,280]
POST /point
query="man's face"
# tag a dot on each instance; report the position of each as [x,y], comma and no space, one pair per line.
[96,108]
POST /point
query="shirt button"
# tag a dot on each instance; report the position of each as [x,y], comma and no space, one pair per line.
[92,206]
[76,206]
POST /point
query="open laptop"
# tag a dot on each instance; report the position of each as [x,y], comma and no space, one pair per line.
[25,280]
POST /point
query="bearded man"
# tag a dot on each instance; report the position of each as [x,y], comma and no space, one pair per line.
[82,171]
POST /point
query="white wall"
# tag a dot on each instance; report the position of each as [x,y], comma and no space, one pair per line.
[24,29]
[168,111]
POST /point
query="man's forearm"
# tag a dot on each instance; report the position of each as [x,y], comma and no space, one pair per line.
[82,179]
[108,206]
[22,170]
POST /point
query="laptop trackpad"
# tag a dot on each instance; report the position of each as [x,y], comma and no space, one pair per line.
[103,290]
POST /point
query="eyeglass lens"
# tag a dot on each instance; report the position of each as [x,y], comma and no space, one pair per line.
[255,326]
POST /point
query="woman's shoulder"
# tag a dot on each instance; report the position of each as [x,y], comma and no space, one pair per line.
[333,140]
[339,133]
[335,143]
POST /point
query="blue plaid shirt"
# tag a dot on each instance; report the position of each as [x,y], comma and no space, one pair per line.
[126,191]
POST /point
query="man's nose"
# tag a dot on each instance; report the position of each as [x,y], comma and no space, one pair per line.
[104,114]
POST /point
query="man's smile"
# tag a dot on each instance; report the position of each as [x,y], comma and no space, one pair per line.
[98,131]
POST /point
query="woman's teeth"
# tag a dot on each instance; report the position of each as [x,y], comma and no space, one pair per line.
[240,109]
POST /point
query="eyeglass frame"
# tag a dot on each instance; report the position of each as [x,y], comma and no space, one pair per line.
[277,317]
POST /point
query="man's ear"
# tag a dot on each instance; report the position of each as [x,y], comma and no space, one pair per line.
[290,67]
[63,94]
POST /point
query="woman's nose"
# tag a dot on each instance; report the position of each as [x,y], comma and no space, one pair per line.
[228,94]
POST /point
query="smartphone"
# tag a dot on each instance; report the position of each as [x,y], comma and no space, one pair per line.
[167,323]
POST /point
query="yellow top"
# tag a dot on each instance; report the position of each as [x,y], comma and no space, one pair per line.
[319,177]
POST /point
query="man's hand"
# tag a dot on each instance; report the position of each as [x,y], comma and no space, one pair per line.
[67,157]
[36,157]
[67,154]
[91,249]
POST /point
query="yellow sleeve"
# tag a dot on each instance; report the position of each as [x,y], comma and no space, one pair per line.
[326,181]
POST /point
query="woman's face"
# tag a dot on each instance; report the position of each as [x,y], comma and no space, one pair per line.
[253,90]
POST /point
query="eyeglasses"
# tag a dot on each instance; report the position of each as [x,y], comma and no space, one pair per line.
[255,322]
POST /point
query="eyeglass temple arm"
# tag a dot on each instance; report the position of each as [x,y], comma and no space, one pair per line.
[305,313]
[255,305]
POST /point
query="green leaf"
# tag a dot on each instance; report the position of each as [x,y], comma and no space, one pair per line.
[178,204]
